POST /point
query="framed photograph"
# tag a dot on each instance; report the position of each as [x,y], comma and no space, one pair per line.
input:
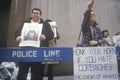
[30,34]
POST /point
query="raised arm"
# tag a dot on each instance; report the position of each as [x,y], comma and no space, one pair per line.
[90,4]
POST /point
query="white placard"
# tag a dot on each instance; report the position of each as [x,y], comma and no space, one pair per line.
[116,40]
[30,35]
[95,63]
[53,27]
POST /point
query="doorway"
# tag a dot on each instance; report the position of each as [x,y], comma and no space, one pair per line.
[5,6]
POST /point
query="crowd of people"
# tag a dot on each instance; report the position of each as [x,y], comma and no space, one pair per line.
[92,35]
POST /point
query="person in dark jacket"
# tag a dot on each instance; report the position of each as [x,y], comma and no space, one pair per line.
[52,43]
[37,69]
[92,35]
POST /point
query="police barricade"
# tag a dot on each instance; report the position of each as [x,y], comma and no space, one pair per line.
[36,54]
[62,55]
[86,63]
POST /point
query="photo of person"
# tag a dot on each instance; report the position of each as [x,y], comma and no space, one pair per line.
[31,35]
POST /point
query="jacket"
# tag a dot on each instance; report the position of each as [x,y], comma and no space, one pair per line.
[46,30]
[86,30]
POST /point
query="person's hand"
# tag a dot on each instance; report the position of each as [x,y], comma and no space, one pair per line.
[90,4]
[42,37]
[18,39]
[93,42]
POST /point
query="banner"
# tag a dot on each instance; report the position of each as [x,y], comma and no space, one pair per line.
[95,63]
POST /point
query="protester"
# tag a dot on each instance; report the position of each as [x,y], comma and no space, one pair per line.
[91,32]
[116,39]
[37,69]
[52,43]
[106,39]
